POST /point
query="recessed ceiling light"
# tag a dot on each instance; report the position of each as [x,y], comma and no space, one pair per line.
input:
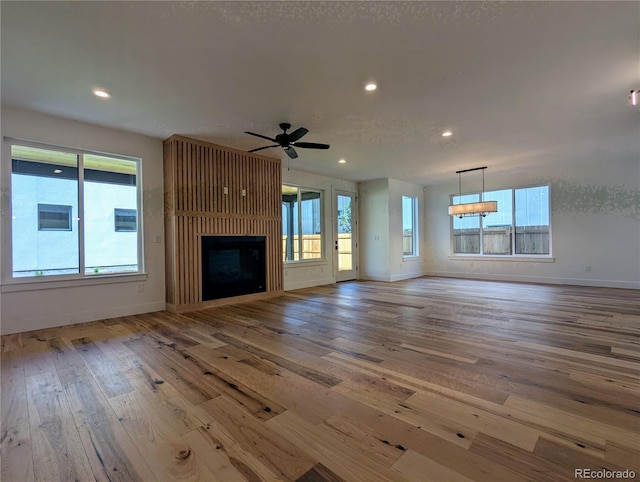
[101,93]
[342,161]
[370,87]
[447,134]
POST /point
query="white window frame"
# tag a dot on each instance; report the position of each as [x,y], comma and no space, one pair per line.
[322,226]
[504,257]
[414,228]
[27,283]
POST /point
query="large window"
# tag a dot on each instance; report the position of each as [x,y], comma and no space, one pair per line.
[64,206]
[409,226]
[302,237]
[520,227]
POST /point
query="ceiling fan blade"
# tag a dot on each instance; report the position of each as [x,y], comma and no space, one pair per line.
[297,134]
[291,152]
[260,135]
[312,145]
[265,147]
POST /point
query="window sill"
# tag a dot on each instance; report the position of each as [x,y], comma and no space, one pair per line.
[46,284]
[524,259]
[410,258]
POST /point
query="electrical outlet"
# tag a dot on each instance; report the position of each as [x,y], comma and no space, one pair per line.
[587,268]
[157,239]
[140,287]
[244,192]
[225,190]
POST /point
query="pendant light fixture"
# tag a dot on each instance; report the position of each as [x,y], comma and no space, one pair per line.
[481,208]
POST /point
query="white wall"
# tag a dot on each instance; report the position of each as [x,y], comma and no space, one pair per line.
[320,272]
[50,303]
[595,222]
[373,215]
[380,212]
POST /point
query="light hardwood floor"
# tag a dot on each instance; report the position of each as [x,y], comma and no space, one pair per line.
[422,380]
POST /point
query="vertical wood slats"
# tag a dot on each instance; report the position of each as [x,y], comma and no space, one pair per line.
[196,174]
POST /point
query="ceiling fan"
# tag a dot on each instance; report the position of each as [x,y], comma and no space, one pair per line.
[288,141]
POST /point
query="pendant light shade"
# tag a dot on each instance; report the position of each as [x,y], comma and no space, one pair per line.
[473,209]
[481,208]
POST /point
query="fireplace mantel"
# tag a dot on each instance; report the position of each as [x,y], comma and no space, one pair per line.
[212,190]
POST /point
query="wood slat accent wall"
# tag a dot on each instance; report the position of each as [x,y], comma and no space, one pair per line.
[196,174]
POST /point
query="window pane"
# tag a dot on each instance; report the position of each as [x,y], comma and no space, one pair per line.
[311,224]
[408,228]
[290,223]
[466,230]
[345,232]
[110,199]
[44,211]
[532,220]
[301,224]
[496,227]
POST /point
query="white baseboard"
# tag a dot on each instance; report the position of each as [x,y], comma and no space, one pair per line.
[539,279]
[307,283]
[391,279]
[400,277]
[375,277]
[52,320]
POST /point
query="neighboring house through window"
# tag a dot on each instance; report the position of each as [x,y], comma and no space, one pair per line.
[64,206]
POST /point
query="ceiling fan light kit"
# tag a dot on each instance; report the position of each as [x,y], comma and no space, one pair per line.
[288,141]
[481,208]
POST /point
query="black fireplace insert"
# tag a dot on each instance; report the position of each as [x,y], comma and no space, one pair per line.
[233,266]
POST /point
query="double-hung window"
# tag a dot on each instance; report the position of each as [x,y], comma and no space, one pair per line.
[302,221]
[409,226]
[521,226]
[65,204]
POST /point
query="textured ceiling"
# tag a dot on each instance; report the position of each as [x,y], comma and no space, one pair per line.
[520,84]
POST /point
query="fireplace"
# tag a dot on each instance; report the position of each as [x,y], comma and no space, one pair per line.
[232,266]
